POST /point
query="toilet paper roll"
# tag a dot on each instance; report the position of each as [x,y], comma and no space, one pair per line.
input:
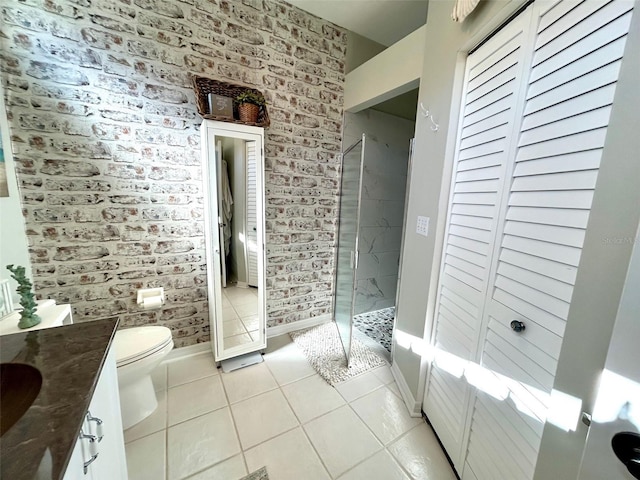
[151,302]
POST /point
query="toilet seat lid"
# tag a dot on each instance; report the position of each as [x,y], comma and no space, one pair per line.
[137,342]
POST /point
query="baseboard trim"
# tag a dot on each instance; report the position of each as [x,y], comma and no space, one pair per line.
[414,407]
[299,325]
[180,353]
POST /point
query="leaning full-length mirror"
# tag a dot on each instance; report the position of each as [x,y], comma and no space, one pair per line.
[234,222]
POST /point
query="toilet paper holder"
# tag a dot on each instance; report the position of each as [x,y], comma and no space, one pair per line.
[151,297]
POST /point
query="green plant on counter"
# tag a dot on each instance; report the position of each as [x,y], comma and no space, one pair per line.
[250,97]
[28,317]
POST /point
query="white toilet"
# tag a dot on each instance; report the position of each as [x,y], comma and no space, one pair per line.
[139,351]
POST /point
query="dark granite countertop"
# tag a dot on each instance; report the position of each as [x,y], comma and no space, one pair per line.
[70,359]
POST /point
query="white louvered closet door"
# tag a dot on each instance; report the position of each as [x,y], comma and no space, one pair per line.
[570,88]
[493,75]
[252,236]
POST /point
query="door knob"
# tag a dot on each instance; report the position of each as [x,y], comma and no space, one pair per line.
[517,326]
[626,446]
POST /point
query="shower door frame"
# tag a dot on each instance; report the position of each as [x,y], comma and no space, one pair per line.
[355,251]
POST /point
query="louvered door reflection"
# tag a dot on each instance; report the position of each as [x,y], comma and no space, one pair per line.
[252,237]
[569,93]
[486,134]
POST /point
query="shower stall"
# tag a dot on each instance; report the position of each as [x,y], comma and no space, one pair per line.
[371,217]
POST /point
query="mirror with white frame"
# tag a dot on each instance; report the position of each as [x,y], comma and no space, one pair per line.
[234,233]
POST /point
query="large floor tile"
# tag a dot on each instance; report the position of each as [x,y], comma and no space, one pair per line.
[230,469]
[359,386]
[251,322]
[384,374]
[341,439]
[380,466]
[247,309]
[153,423]
[233,327]
[312,397]
[262,417]
[195,398]
[289,456]
[278,343]
[146,457]
[247,382]
[286,362]
[235,340]
[421,455]
[201,442]
[191,368]
[385,414]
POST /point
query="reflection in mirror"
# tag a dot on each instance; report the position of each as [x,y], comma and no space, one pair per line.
[237,223]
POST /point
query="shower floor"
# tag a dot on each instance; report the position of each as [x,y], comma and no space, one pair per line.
[377,325]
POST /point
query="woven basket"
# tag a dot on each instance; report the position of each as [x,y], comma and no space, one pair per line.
[248,112]
[204,86]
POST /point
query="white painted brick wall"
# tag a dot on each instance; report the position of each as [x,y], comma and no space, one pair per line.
[106,140]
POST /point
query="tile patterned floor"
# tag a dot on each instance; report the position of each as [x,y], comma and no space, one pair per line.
[279,414]
[377,325]
[240,314]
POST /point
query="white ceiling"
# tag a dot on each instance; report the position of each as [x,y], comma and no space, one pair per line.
[383,21]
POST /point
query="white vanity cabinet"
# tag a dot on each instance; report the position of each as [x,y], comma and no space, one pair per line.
[103,419]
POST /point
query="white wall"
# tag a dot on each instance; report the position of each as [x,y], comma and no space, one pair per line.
[394,71]
[359,50]
[13,239]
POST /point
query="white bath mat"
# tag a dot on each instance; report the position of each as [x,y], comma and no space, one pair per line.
[322,347]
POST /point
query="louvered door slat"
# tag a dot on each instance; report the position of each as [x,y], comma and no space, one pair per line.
[555,71]
[479,174]
[585,160]
[490,445]
[595,25]
[567,126]
[467,255]
[486,124]
[485,137]
[547,216]
[560,8]
[522,456]
[572,237]
[576,180]
[501,106]
[556,270]
[548,285]
[589,101]
[564,92]
[587,140]
[475,210]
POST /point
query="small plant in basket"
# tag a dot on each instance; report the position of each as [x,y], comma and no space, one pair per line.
[249,104]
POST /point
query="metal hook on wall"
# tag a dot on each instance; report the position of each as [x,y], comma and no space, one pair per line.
[427,114]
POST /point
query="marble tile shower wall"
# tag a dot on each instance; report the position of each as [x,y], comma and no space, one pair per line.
[382,204]
[106,139]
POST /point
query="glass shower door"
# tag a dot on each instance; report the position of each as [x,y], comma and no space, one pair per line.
[347,249]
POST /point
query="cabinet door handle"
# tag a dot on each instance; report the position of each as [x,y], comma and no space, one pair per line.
[85,465]
[99,425]
[93,449]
